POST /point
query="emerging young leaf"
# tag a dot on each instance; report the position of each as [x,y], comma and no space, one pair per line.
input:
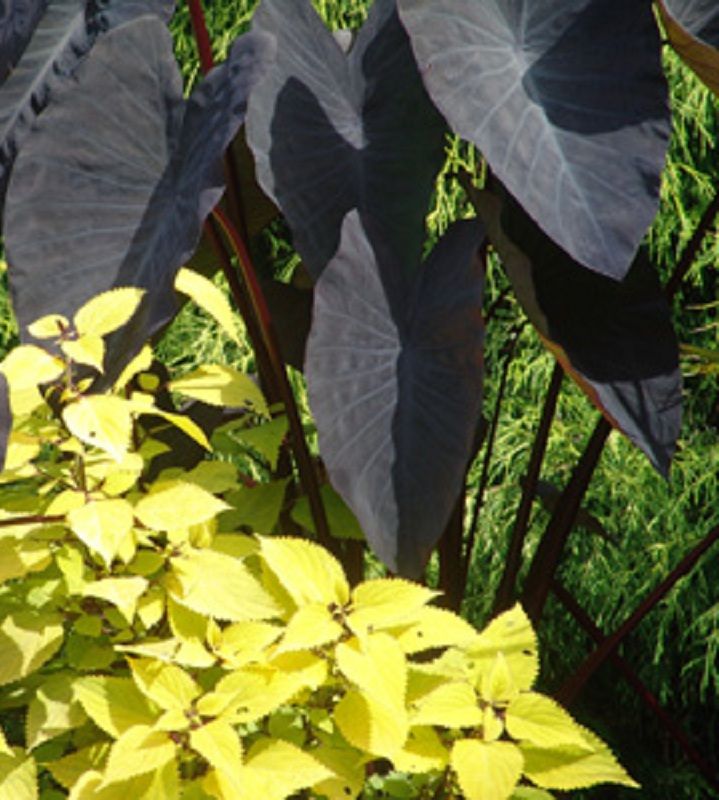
[568,103]
[332,132]
[693,30]
[394,373]
[141,184]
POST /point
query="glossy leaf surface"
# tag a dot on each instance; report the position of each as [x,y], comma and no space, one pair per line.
[692,27]
[115,183]
[568,103]
[394,377]
[333,131]
[615,340]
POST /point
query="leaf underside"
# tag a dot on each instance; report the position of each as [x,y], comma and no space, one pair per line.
[614,339]
[332,131]
[394,379]
[116,180]
[568,103]
[692,27]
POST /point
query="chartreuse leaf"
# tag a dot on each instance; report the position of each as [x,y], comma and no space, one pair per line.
[4,746]
[209,298]
[219,586]
[103,525]
[140,363]
[123,592]
[27,641]
[52,711]
[49,327]
[177,504]
[310,626]
[422,752]
[266,438]
[219,385]
[496,684]
[510,633]
[101,420]
[88,350]
[26,367]
[18,558]
[452,704]
[369,726]
[242,642]
[18,776]
[486,770]
[307,572]
[567,767]
[434,627]
[276,769]
[107,311]
[114,704]
[68,770]
[386,603]
[138,750]
[190,629]
[160,784]
[166,684]
[537,719]
[181,421]
[349,772]
[218,743]
[530,793]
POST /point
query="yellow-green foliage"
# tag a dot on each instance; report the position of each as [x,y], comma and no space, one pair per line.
[149,650]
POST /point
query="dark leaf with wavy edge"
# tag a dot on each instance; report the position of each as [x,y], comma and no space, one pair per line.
[567,101]
[394,378]
[333,131]
[18,19]
[114,184]
[614,339]
[693,30]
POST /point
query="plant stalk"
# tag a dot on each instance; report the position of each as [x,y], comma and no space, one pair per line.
[305,465]
[513,562]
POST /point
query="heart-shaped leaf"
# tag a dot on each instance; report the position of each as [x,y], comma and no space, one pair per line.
[693,30]
[332,131]
[113,185]
[568,103]
[615,340]
[394,378]
[18,20]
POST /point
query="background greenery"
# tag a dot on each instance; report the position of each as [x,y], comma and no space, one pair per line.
[676,649]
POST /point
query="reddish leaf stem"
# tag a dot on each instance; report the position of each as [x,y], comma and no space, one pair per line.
[692,248]
[513,561]
[202,36]
[305,465]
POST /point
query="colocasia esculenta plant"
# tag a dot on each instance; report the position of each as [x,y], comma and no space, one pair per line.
[108,173]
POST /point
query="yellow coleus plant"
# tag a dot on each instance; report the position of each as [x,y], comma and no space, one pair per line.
[151,650]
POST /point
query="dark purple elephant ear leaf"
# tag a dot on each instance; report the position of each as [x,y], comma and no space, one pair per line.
[568,103]
[394,377]
[114,183]
[60,39]
[334,130]
[18,19]
[614,339]
[692,27]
